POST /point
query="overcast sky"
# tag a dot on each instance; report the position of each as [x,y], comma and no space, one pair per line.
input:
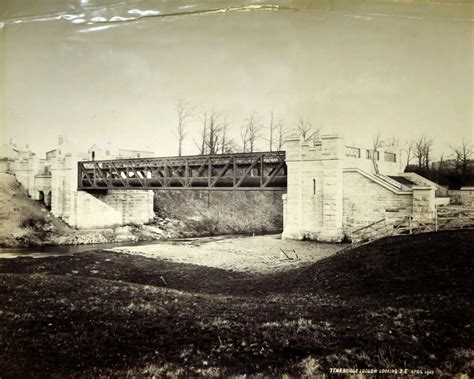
[403,69]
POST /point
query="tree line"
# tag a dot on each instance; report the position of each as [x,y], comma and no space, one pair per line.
[214,136]
[454,168]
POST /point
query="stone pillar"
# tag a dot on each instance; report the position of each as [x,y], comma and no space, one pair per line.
[424,205]
[313,207]
[332,177]
[302,208]
[63,186]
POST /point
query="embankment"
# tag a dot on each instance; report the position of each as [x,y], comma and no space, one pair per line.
[26,222]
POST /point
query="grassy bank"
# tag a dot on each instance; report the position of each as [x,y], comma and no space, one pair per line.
[400,303]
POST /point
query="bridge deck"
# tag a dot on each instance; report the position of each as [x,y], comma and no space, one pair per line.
[245,171]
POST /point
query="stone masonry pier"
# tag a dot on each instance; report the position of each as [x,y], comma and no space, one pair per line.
[102,209]
[334,189]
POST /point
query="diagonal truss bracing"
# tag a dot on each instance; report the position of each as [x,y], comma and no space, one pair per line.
[244,171]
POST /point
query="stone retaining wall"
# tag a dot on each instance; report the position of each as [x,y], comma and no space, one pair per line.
[113,208]
[366,201]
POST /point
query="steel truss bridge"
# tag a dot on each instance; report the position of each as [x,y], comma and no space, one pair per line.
[245,171]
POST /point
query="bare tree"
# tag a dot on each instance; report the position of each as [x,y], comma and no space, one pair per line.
[418,150]
[201,144]
[462,155]
[282,134]
[427,153]
[184,112]
[305,130]
[275,127]
[244,136]
[213,133]
[227,144]
[377,143]
[250,133]
[409,147]
[439,168]
[214,138]
[422,152]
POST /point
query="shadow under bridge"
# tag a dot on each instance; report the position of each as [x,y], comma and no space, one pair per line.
[243,171]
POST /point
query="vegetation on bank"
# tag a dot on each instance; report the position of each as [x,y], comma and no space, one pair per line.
[204,212]
[398,303]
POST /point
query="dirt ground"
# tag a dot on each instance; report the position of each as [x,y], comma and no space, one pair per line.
[263,254]
[403,305]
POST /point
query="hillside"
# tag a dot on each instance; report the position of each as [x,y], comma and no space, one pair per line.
[395,266]
[401,303]
[25,222]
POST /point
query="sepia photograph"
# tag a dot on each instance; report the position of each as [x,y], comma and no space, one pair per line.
[236,189]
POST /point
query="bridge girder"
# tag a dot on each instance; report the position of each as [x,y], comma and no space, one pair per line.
[243,171]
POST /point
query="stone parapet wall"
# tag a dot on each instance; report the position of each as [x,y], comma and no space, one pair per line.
[364,163]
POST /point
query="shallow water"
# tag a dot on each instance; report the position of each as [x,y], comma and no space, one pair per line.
[59,250]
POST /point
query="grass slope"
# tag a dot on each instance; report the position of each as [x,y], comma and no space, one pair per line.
[403,302]
[23,220]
